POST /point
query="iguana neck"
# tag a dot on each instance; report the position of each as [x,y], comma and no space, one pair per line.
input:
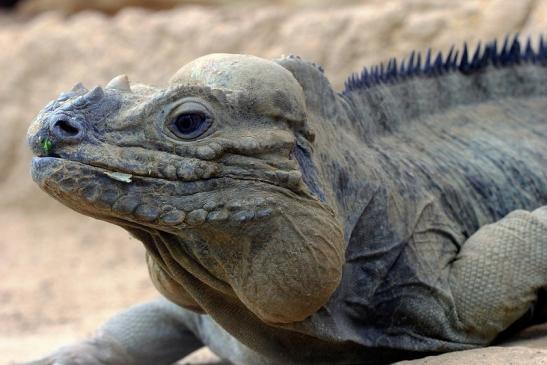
[354,171]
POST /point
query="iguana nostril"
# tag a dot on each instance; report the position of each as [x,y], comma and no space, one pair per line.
[65,129]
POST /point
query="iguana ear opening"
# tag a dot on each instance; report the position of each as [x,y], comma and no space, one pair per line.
[303,131]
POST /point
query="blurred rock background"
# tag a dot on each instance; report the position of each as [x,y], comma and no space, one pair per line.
[60,273]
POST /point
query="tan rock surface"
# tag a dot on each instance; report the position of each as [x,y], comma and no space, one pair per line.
[486,356]
[30,7]
[62,274]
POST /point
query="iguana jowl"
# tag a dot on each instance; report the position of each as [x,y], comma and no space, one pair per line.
[311,226]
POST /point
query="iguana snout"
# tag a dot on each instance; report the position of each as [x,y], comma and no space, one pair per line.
[207,167]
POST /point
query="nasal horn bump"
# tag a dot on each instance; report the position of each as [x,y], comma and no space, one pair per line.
[120,83]
[94,95]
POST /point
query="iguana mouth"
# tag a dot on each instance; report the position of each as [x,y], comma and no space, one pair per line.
[121,175]
[133,163]
[126,175]
[153,201]
[115,174]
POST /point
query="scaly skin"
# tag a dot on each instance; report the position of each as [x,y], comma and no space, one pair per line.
[288,224]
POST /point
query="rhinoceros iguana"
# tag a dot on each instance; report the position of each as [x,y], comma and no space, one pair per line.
[287,223]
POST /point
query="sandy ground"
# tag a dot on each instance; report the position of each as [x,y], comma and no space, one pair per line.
[62,274]
[72,273]
[54,281]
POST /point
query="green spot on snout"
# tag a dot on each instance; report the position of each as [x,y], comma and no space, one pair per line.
[47,145]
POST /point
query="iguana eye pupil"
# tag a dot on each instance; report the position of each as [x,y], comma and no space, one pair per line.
[190,124]
[187,123]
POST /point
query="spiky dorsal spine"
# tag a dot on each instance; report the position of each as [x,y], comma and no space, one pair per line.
[510,53]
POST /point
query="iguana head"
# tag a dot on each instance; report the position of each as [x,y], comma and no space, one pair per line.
[203,172]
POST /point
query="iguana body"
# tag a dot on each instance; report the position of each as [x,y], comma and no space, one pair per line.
[311,226]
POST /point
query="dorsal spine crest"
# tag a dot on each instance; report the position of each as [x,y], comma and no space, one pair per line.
[511,53]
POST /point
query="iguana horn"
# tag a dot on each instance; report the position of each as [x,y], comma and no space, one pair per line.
[79,88]
[120,83]
[94,94]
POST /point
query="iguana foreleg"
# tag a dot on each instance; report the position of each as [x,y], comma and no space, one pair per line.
[497,274]
[157,332]
[154,333]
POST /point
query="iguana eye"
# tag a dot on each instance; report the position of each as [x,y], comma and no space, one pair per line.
[190,121]
[190,125]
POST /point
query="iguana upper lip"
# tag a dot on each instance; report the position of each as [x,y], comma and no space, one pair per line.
[107,171]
